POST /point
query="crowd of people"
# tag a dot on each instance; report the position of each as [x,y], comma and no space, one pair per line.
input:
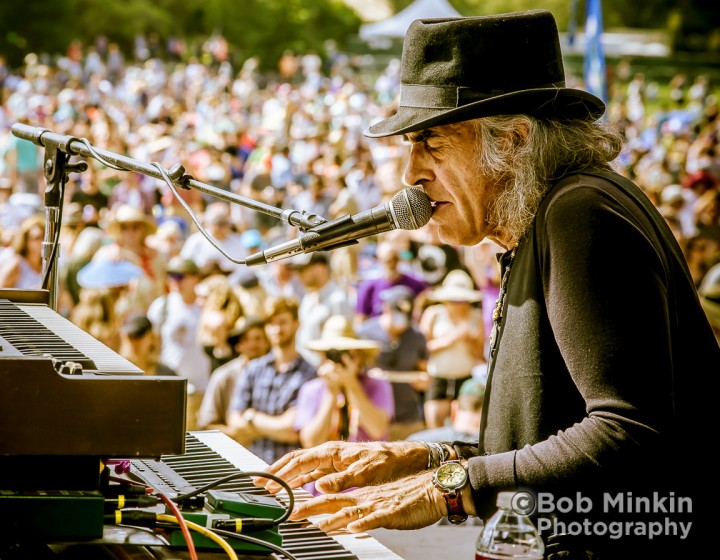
[369,342]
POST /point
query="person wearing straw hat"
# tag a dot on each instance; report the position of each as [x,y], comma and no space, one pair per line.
[455,336]
[129,229]
[343,402]
[598,358]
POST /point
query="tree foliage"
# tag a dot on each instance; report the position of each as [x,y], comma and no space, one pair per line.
[265,28]
[616,13]
[262,28]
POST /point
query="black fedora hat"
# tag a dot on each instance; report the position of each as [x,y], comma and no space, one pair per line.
[457,69]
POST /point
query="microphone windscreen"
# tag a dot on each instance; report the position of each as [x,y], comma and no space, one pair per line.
[411,208]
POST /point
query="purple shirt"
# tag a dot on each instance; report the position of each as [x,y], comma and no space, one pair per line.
[368,298]
[311,394]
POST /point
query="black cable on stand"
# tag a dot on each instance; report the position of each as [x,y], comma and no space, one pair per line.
[56,169]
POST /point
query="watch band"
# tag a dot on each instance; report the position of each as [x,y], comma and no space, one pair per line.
[456,511]
[453,496]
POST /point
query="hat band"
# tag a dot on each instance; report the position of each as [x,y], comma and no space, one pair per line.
[449,97]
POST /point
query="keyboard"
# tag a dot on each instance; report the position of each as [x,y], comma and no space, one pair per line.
[210,455]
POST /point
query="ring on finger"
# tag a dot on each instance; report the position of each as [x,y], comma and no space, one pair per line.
[359,512]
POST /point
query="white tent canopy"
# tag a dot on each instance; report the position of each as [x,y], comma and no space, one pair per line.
[396,26]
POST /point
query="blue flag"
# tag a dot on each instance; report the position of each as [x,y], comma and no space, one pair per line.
[595,78]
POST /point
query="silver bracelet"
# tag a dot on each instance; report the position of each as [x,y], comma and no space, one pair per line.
[436,453]
[445,453]
[430,453]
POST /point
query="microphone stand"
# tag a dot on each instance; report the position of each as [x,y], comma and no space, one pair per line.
[56,170]
[58,147]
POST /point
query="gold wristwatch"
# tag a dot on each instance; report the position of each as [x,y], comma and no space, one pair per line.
[450,478]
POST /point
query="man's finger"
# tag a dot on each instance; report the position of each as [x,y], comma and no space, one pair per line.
[282,461]
[303,463]
[299,479]
[273,487]
[320,505]
[334,483]
[340,519]
[367,521]
[358,475]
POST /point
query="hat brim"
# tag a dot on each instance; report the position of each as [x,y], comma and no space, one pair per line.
[455,294]
[342,343]
[562,103]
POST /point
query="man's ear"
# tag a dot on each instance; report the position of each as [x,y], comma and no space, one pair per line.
[520,133]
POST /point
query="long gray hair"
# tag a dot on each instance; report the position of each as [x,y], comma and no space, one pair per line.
[525,156]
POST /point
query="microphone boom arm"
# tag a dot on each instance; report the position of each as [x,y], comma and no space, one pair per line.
[340,232]
[81,147]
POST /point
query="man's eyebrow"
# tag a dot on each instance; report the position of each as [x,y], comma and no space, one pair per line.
[421,136]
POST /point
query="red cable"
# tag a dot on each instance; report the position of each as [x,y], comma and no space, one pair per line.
[148,489]
[183,526]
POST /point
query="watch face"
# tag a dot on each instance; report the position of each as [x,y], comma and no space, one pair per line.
[451,476]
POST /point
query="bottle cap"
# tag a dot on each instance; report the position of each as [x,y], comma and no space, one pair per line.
[504,499]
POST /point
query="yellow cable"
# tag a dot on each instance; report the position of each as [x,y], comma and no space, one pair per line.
[203,531]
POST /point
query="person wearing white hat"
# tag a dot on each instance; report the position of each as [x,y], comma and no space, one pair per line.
[343,402]
[129,229]
[455,335]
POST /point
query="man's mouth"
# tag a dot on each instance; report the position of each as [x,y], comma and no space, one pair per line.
[436,205]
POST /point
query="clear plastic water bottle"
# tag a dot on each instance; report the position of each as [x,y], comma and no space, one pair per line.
[508,534]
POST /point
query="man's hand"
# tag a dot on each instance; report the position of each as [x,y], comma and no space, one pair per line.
[327,373]
[409,503]
[240,429]
[338,465]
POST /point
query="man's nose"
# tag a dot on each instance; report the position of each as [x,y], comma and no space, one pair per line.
[416,172]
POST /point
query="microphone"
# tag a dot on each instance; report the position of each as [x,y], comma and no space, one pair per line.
[408,209]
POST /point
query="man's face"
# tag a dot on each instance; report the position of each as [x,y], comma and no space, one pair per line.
[308,276]
[254,343]
[388,258]
[220,229]
[186,283]
[443,161]
[281,329]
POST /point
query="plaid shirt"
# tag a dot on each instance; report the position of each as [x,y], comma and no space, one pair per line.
[265,389]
